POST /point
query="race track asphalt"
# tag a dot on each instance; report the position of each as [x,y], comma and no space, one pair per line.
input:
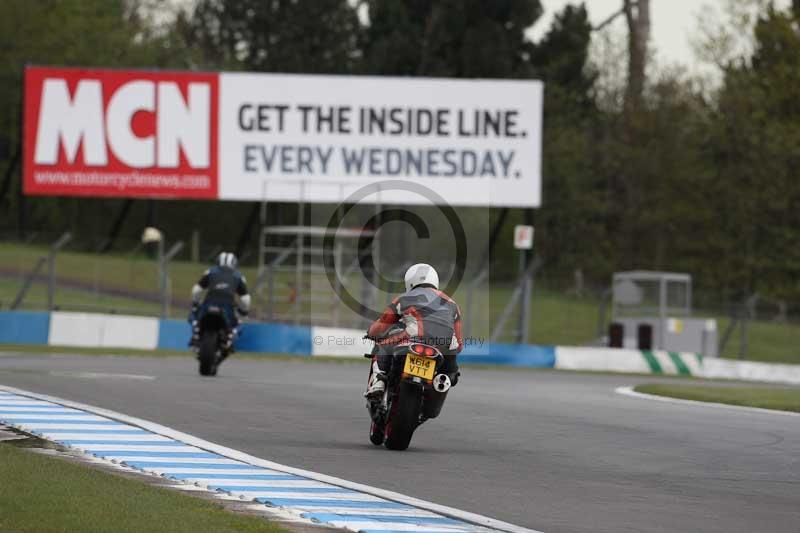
[541,449]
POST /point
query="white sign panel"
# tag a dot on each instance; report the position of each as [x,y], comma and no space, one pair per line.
[321,138]
[523,237]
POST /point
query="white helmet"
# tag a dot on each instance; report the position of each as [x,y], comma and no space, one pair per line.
[227,259]
[420,274]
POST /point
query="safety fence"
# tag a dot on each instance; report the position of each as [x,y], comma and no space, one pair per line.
[119,331]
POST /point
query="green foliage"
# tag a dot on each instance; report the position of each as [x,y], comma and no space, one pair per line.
[101,33]
[561,59]
[570,233]
[93,33]
[448,38]
[755,149]
[277,36]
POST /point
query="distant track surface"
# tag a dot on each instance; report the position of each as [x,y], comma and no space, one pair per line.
[545,450]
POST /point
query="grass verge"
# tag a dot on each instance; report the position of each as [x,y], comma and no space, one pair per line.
[782,399]
[41,494]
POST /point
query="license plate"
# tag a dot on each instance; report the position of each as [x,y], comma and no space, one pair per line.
[421,367]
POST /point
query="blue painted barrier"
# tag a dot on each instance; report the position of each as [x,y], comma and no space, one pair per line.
[518,355]
[24,327]
[275,338]
[173,334]
[33,328]
[254,337]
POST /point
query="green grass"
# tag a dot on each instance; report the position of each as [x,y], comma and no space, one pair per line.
[75,300]
[40,494]
[556,319]
[782,399]
[131,271]
[769,342]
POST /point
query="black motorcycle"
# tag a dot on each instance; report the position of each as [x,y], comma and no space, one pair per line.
[215,339]
[415,392]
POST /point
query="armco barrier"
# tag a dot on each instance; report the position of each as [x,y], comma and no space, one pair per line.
[275,338]
[343,342]
[23,327]
[117,331]
[103,331]
[751,371]
[339,342]
[173,334]
[255,337]
[631,361]
[517,355]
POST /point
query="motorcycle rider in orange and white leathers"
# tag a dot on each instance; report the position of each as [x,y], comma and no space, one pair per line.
[422,314]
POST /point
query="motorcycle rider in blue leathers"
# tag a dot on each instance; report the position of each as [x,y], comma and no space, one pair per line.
[222,284]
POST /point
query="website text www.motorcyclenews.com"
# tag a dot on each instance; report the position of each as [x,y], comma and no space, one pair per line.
[123,180]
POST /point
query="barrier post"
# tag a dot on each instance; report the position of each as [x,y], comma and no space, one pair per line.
[479,279]
[163,264]
[51,268]
[525,307]
[523,241]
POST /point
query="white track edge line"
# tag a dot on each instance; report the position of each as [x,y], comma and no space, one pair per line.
[628,391]
[241,456]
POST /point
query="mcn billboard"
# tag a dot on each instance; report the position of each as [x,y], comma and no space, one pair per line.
[242,136]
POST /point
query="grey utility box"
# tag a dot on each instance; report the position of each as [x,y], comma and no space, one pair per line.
[662,301]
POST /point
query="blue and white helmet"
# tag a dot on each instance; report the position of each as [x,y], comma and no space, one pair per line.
[227,259]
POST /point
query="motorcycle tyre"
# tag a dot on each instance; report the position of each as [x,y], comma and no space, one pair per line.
[207,354]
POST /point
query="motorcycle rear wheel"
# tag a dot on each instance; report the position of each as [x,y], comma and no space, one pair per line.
[208,353]
[405,417]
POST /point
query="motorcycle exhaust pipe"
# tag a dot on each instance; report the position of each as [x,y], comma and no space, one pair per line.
[441,383]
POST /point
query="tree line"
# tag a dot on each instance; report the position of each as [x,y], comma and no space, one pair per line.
[657,173]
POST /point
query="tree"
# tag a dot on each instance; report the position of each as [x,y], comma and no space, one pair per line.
[561,59]
[452,38]
[637,15]
[756,149]
[569,218]
[311,36]
[101,33]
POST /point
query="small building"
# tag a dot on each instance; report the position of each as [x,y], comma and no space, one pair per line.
[653,311]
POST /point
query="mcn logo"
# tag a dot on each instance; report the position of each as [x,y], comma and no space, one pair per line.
[118,133]
[70,119]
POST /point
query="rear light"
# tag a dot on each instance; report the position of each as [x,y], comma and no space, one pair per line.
[421,349]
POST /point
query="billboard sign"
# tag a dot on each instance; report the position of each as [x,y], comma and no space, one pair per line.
[251,137]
